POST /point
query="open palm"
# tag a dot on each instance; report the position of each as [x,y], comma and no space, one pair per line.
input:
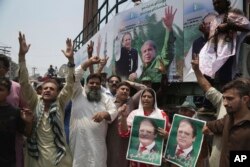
[169,17]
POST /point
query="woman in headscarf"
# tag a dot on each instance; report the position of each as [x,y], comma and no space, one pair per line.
[148,108]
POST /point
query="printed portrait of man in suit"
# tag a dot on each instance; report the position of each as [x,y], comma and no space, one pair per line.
[147,136]
[186,135]
[184,141]
[145,144]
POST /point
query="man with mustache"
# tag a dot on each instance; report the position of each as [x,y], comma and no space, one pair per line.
[113,82]
[186,135]
[147,135]
[91,112]
[234,127]
[117,146]
[47,144]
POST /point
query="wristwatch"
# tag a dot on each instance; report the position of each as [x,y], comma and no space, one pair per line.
[71,64]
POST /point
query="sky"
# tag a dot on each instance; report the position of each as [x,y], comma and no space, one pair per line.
[46,24]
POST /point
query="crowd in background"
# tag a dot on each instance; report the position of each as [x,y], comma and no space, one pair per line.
[86,122]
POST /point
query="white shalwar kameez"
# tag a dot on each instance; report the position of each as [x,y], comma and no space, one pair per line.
[88,138]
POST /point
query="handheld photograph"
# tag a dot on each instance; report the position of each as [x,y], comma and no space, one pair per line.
[144,144]
[184,141]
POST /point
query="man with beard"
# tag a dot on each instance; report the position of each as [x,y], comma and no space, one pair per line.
[216,98]
[147,136]
[234,127]
[91,111]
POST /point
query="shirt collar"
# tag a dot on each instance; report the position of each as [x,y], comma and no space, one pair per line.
[185,151]
[149,147]
[246,117]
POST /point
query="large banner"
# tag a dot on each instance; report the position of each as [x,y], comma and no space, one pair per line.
[184,141]
[141,42]
[151,40]
[144,144]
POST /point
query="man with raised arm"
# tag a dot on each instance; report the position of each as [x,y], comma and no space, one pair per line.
[47,145]
[215,97]
[91,112]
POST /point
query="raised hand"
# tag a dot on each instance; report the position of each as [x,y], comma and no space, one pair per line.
[123,110]
[103,61]
[69,53]
[90,49]
[94,60]
[132,76]
[23,47]
[169,17]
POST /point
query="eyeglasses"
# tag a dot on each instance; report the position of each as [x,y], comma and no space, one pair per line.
[113,81]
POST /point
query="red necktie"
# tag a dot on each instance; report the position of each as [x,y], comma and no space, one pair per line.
[143,148]
[179,152]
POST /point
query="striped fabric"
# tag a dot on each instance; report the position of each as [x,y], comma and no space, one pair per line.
[56,128]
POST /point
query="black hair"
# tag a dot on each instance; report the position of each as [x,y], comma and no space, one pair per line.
[95,75]
[123,83]
[118,77]
[5,60]
[54,81]
[151,91]
[240,84]
[4,81]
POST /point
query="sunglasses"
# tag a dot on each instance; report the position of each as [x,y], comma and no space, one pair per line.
[113,81]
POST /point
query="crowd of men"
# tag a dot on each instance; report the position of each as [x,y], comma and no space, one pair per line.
[88,124]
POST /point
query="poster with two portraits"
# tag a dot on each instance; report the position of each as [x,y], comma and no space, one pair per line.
[185,132]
